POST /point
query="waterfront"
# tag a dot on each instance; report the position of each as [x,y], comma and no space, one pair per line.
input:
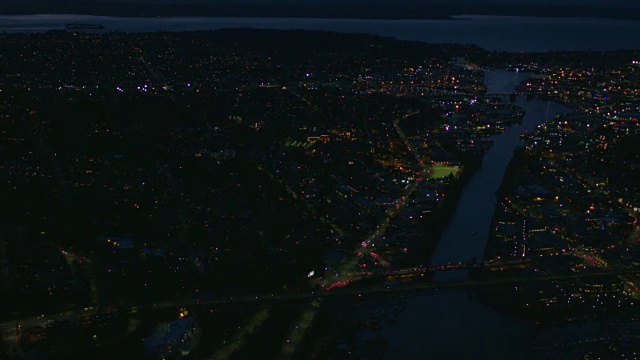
[185,165]
[467,233]
[452,324]
[495,33]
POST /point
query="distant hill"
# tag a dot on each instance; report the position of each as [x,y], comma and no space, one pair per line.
[363,9]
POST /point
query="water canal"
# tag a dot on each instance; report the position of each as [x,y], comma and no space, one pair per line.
[451,324]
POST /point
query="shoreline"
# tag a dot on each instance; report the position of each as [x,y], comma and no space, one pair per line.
[482,31]
[350,10]
[356,17]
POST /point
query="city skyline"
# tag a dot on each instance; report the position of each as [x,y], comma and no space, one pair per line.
[296,194]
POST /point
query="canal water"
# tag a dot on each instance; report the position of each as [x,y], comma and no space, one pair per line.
[466,236]
[451,324]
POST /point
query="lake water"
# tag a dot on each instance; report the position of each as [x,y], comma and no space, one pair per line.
[501,33]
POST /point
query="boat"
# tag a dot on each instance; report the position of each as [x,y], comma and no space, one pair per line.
[76,26]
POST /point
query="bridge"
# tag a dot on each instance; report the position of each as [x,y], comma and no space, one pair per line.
[351,286]
[499,264]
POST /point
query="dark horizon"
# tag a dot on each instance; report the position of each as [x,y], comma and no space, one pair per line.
[295,188]
[362,9]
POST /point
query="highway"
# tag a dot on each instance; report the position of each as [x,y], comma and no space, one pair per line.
[343,276]
[9,327]
[241,337]
[347,280]
[421,281]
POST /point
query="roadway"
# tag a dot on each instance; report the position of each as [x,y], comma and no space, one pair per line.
[242,336]
[343,275]
[10,326]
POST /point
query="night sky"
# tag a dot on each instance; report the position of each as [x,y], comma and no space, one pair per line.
[598,3]
[594,3]
[627,9]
